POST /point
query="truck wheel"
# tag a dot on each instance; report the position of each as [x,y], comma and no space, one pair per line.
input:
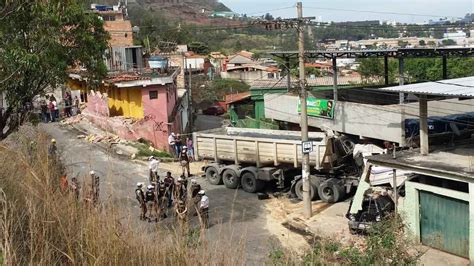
[250,183]
[331,191]
[213,176]
[299,190]
[231,179]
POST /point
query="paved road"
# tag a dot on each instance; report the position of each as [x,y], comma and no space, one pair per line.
[235,214]
[205,122]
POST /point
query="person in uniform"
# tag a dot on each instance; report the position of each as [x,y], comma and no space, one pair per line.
[140,195]
[184,161]
[150,203]
[204,209]
[169,184]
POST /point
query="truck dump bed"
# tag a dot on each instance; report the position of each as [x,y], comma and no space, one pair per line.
[261,147]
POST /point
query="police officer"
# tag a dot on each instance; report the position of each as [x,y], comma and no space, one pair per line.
[184,161]
[169,184]
[141,200]
[180,190]
[162,200]
[204,209]
[150,203]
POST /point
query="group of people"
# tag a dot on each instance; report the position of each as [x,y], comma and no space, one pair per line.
[50,110]
[176,143]
[161,195]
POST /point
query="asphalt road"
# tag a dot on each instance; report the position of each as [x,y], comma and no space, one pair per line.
[205,122]
[235,215]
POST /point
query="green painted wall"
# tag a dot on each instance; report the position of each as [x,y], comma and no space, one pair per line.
[410,211]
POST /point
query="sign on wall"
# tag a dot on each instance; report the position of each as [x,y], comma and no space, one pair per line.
[318,107]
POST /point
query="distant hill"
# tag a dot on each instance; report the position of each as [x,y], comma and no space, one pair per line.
[187,11]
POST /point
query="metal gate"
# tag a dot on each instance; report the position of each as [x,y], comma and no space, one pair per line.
[444,223]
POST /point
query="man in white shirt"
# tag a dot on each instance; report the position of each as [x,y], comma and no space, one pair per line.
[204,209]
[172,143]
[153,167]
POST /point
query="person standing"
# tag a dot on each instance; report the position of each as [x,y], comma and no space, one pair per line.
[179,144]
[44,111]
[150,203]
[182,214]
[77,109]
[184,161]
[169,184]
[180,190]
[204,209]
[55,108]
[172,143]
[162,201]
[153,165]
[190,147]
[52,149]
[52,117]
[140,195]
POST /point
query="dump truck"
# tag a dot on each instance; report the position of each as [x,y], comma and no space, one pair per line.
[251,159]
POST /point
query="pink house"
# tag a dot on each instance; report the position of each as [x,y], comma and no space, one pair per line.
[137,106]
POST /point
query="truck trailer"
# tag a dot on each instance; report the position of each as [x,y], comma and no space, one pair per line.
[253,158]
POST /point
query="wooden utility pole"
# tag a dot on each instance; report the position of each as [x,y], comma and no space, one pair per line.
[190,99]
[304,117]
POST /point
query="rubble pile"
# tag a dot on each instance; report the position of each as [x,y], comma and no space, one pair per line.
[96,138]
[72,120]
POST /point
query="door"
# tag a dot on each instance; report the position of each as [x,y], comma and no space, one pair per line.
[444,223]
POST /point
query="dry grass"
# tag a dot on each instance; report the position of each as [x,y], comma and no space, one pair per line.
[42,225]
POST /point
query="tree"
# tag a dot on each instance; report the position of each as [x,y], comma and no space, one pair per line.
[448,42]
[198,48]
[268,16]
[41,40]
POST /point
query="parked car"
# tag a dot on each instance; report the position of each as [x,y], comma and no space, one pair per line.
[214,110]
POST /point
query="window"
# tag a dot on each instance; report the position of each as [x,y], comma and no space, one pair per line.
[153,95]
[271,75]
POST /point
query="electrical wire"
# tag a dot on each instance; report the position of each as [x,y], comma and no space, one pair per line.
[378,12]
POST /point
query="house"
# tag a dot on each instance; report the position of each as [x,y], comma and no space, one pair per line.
[239,59]
[139,99]
[217,59]
[250,72]
[119,28]
[135,105]
[438,200]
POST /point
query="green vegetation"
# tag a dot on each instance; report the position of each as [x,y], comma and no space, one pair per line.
[42,224]
[144,150]
[216,90]
[416,69]
[385,244]
[40,41]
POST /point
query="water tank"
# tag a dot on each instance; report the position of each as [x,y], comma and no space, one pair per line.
[158,62]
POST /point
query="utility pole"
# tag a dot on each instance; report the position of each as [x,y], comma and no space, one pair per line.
[190,100]
[304,117]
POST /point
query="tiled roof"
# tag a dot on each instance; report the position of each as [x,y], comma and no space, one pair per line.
[312,82]
[236,97]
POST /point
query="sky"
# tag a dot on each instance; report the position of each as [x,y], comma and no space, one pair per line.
[445,8]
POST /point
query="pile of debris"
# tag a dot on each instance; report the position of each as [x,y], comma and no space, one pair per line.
[72,120]
[96,138]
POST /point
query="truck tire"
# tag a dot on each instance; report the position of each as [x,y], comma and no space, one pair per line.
[213,176]
[331,190]
[250,183]
[299,190]
[231,179]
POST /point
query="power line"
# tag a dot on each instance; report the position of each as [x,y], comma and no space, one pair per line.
[378,12]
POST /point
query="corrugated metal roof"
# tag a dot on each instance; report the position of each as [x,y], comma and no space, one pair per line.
[460,87]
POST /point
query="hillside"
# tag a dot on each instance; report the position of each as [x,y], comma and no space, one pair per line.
[187,11]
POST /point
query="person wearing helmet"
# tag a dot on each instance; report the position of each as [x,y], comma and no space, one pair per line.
[153,164]
[150,203]
[184,161]
[169,184]
[204,209]
[195,188]
[180,189]
[140,195]
[52,148]
[162,201]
